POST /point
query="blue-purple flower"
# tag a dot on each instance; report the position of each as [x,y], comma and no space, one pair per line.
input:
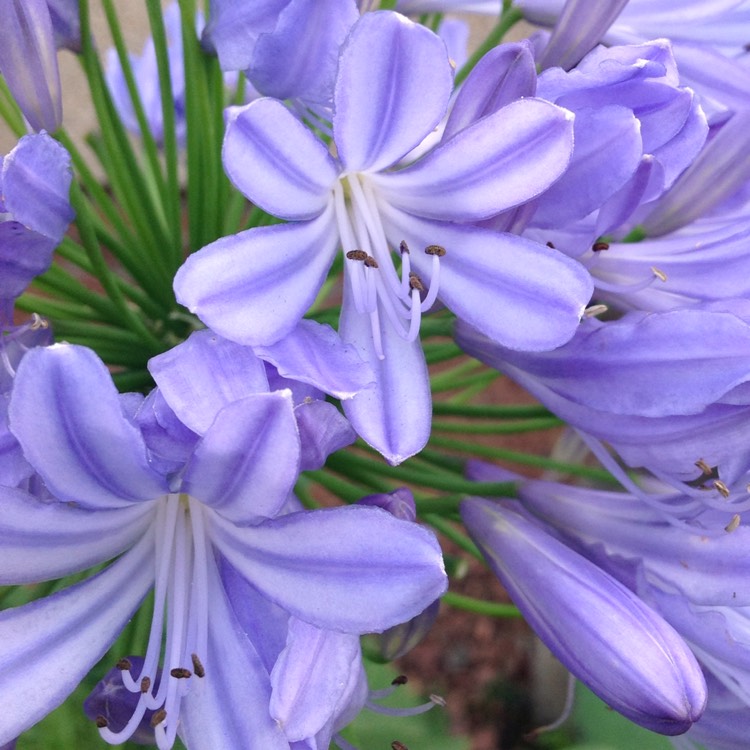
[392,89]
[209,510]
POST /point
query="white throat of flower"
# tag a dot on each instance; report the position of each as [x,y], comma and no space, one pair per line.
[180,592]
[375,283]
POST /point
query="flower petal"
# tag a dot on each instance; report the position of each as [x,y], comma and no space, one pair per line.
[311,677]
[248,460]
[255,286]
[515,291]
[315,354]
[502,160]
[49,645]
[200,376]
[276,161]
[392,89]
[40,540]
[66,414]
[394,413]
[229,706]
[353,569]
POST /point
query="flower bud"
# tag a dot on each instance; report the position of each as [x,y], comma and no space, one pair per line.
[28,61]
[600,630]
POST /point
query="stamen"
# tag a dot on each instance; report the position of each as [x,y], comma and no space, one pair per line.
[597,247]
[158,717]
[370,262]
[594,310]
[145,684]
[704,467]
[437,252]
[396,745]
[564,716]
[101,722]
[722,488]
[658,273]
[356,255]
[734,524]
[198,669]
[124,664]
[180,673]
[415,282]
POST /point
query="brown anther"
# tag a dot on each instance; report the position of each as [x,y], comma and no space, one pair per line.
[180,673]
[722,488]
[704,467]
[659,274]
[356,255]
[403,247]
[37,322]
[734,524]
[415,282]
[124,664]
[597,247]
[101,722]
[438,250]
[438,700]
[158,717]
[145,684]
[551,245]
[370,262]
[396,745]
[402,679]
[198,669]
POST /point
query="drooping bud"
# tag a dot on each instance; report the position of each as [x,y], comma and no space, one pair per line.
[28,61]
[600,630]
[110,704]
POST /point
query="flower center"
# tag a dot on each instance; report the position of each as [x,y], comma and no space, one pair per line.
[375,284]
[180,596]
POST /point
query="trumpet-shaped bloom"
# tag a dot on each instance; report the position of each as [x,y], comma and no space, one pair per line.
[602,632]
[392,89]
[184,532]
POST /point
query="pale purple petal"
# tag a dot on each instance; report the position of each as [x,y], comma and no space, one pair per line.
[36,177]
[515,291]
[394,413]
[392,89]
[310,678]
[66,414]
[24,254]
[298,58]
[498,162]
[247,462]
[254,287]
[276,161]
[608,135]
[315,354]
[228,708]
[48,646]
[200,376]
[40,541]
[353,569]
[323,430]
[506,73]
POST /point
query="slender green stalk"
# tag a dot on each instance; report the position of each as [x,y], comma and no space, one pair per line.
[509,18]
[451,531]
[503,428]
[479,606]
[489,411]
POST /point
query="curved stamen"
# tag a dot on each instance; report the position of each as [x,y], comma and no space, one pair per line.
[437,252]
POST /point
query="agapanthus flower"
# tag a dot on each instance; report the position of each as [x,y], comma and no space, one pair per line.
[392,88]
[601,631]
[28,61]
[185,532]
[664,389]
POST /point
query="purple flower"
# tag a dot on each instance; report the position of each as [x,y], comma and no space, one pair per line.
[28,61]
[188,534]
[602,632]
[392,88]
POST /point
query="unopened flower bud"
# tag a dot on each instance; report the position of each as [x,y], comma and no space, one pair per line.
[600,630]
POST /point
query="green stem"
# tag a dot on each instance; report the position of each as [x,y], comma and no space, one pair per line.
[450,530]
[504,428]
[479,606]
[508,19]
[489,411]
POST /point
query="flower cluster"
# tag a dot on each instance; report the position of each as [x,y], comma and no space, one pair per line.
[306,207]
